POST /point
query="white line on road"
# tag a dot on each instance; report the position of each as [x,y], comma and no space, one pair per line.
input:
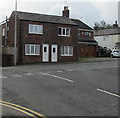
[113,94]
[4,77]
[60,71]
[16,75]
[57,77]
[28,74]
[70,70]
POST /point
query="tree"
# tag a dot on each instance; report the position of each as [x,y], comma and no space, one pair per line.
[102,25]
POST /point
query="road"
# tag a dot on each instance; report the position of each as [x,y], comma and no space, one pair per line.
[74,89]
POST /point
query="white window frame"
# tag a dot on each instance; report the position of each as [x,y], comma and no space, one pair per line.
[30,49]
[63,28]
[32,29]
[63,50]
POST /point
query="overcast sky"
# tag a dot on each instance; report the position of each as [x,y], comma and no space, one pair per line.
[89,11]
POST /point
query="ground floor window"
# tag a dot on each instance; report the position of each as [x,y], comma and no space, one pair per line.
[66,50]
[31,49]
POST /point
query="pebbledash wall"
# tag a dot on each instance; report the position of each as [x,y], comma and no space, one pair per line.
[107,41]
[50,37]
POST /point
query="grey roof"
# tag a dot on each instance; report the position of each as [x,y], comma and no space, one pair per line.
[87,40]
[44,18]
[107,32]
[81,24]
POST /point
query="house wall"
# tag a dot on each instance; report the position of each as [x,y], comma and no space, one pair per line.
[107,41]
[50,36]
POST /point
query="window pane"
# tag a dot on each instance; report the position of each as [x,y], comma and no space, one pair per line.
[37,49]
[66,49]
[70,50]
[45,49]
[60,31]
[30,28]
[36,29]
[89,34]
[3,32]
[63,31]
[32,49]
[40,31]
[62,50]
[67,31]
[27,49]
[54,50]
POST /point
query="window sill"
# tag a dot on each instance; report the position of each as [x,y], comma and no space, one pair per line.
[32,55]
[64,35]
[35,34]
[66,55]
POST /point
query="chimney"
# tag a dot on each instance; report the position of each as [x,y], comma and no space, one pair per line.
[65,12]
[115,25]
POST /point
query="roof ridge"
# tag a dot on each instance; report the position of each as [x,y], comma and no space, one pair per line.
[44,18]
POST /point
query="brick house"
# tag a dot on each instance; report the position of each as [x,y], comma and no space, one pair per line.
[87,46]
[42,38]
[46,38]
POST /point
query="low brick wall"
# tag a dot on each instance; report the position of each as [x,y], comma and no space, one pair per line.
[7,60]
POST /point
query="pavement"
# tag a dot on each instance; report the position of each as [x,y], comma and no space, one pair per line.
[80,60]
[97,59]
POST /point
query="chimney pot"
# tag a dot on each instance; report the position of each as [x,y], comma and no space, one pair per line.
[115,25]
[65,12]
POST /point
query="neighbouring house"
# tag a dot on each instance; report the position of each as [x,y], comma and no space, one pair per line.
[109,38]
[87,46]
[45,38]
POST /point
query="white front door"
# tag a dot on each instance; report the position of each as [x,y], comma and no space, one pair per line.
[54,53]
[45,57]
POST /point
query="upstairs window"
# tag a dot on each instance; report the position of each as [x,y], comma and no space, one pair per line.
[64,31]
[35,29]
[31,49]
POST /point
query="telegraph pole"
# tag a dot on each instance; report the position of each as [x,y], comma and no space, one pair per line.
[15,35]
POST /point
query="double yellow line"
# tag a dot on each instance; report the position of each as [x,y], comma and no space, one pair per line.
[22,109]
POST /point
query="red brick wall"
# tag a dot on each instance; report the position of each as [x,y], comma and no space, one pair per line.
[50,36]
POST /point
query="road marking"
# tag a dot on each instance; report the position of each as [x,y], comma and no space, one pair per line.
[29,74]
[113,94]
[22,109]
[70,70]
[57,77]
[4,77]
[16,75]
[17,109]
